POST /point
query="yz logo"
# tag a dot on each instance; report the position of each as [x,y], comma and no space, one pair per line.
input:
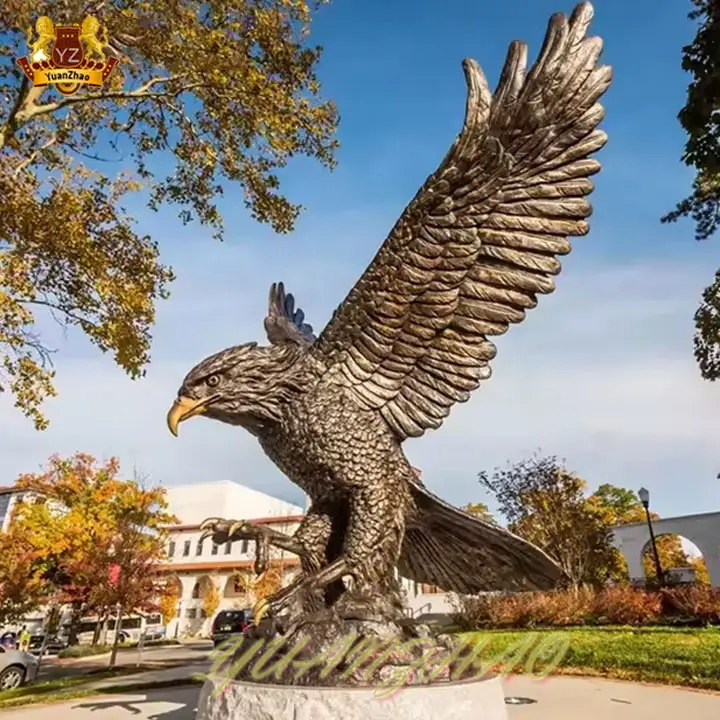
[72,55]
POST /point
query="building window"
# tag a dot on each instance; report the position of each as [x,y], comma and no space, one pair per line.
[196,591]
[203,614]
[4,507]
[171,549]
[244,547]
[191,613]
[214,550]
[186,548]
[228,548]
[199,548]
[238,586]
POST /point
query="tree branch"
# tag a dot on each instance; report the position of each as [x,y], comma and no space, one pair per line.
[33,156]
[31,110]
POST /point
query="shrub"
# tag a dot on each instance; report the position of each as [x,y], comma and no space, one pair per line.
[625,605]
[79,651]
[698,604]
[523,610]
[472,612]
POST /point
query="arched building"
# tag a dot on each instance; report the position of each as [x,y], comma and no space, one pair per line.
[197,569]
[702,529]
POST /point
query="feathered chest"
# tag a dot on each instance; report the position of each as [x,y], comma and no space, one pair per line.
[320,433]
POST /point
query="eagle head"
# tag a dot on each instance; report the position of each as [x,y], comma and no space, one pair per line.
[242,385]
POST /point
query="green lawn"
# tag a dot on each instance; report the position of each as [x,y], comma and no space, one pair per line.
[689,657]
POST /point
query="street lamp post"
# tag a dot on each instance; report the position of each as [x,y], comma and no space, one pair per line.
[645,500]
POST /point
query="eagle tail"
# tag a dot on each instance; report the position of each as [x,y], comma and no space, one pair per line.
[458,552]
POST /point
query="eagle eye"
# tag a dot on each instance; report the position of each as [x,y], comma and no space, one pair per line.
[213,381]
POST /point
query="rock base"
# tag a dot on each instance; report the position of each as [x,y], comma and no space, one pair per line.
[467,700]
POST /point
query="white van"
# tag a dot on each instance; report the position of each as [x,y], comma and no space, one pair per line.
[132,628]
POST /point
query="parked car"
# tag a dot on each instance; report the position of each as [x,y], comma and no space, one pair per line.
[55,643]
[228,623]
[16,668]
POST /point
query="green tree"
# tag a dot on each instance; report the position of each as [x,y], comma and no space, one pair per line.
[700,118]
[545,503]
[223,91]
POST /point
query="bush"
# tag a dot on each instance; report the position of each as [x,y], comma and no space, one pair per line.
[619,605]
[624,605]
[162,641]
[696,604]
[79,651]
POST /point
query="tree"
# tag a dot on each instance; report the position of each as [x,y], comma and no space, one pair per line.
[23,587]
[266,583]
[544,503]
[210,598]
[225,90]
[701,121]
[168,604]
[98,537]
[481,511]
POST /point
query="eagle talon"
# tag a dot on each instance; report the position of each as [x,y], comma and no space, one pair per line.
[239,526]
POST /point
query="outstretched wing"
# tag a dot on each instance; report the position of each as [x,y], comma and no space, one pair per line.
[285,324]
[480,240]
[460,553]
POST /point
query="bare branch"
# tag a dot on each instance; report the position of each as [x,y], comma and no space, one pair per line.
[53,307]
[30,110]
[33,156]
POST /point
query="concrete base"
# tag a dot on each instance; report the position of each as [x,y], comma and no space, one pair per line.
[471,700]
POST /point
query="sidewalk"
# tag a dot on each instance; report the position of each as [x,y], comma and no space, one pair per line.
[151,677]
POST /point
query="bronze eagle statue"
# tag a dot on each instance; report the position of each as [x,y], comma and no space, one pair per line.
[469,256]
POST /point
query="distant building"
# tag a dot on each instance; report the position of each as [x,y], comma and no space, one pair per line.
[9,496]
[192,566]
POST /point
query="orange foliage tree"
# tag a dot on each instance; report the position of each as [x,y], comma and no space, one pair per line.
[23,587]
[210,597]
[268,582]
[168,604]
[97,538]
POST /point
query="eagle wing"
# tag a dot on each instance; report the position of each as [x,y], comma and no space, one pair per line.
[480,240]
[284,323]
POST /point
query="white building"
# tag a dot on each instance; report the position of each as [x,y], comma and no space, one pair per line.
[9,495]
[194,567]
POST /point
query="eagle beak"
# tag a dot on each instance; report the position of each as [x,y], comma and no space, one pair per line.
[184,408]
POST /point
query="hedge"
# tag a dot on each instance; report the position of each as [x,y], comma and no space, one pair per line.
[696,605]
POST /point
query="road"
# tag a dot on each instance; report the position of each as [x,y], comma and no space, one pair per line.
[559,698]
[189,653]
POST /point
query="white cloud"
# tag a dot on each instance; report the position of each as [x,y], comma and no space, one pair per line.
[601,373]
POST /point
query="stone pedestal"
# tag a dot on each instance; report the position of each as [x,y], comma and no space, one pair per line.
[469,700]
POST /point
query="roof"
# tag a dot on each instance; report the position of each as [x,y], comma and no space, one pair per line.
[8,489]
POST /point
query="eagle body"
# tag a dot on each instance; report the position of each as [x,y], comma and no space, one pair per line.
[469,258]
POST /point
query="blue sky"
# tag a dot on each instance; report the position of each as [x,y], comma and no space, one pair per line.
[601,373]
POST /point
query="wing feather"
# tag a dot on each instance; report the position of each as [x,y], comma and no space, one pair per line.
[481,239]
[285,324]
